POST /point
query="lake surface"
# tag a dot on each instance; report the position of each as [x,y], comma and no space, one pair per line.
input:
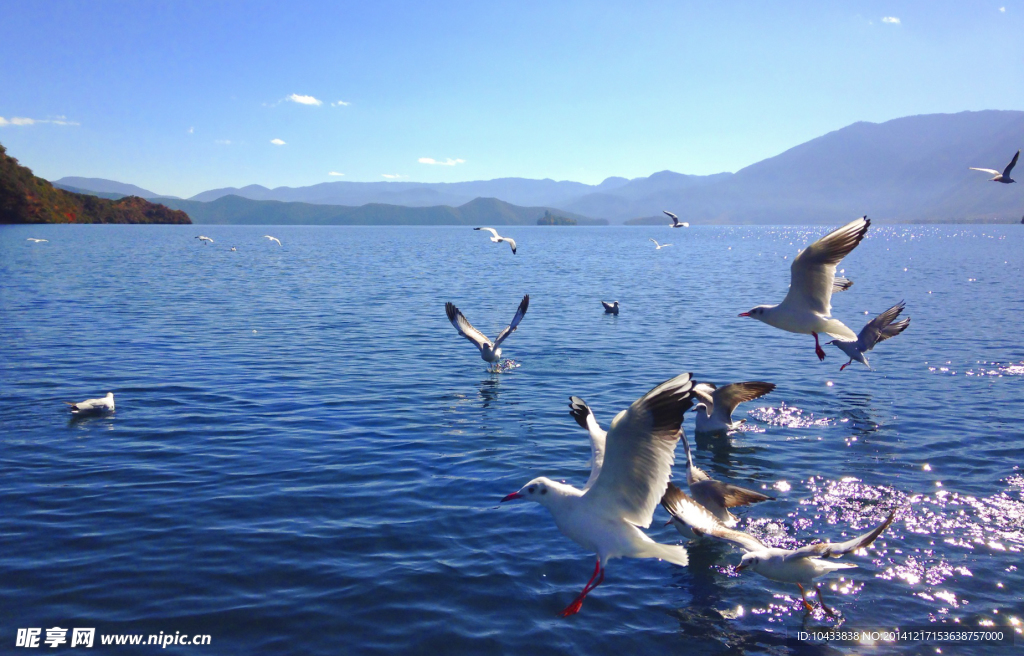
[307,459]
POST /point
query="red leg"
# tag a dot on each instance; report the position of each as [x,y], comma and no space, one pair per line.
[577,603]
[846,365]
[828,610]
[803,595]
[817,347]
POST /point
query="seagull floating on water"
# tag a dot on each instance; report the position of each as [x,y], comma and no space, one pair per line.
[36,240]
[273,239]
[800,566]
[877,330]
[1003,177]
[489,351]
[606,518]
[659,246]
[106,404]
[204,239]
[726,400]
[610,308]
[676,223]
[717,497]
[498,238]
[807,308]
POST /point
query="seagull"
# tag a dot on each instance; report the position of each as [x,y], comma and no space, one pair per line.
[877,330]
[36,240]
[807,308]
[204,238]
[1003,177]
[607,517]
[676,223]
[800,566]
[714,495]
[489,351]
[106,404]
[273,239]
[726,400]
[498,238]
[233,248]
[610,308]
[659,246]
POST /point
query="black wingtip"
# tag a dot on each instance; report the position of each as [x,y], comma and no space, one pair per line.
[451,311]
[579,410]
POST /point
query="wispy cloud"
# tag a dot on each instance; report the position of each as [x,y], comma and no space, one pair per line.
[447,162]
[191,130]
[335,173]
[1002,9]
[222,142]
[394,176]
[304,100]
[340,103]
[891,19]
[22,121]
[277,142]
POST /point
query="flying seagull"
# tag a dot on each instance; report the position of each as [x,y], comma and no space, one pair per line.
[204,239]
[498,238]
[800,566]
[659,246]
[726,400]
[607,517]
[1003,177]
[106,404]
[489,351]
[273,239]
[877,330]
[36,240]
[610,308]
[676,223]
[717,497]
[807,308]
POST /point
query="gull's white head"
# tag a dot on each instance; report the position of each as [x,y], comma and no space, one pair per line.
[702,407]
[751,561]
[542,490]
[758,313]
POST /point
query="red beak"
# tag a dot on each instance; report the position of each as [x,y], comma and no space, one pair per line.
[740,568]
[510,497]
[743,314]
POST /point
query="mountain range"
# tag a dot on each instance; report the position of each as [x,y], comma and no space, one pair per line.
[911,169]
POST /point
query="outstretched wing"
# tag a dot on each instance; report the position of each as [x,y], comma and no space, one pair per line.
[511,242]
[814,269]
[654,240]
[992,171]
[729,397]
[584,416]
[1009,167]
[511,328]
[718,494]
[465,328]
[685,509]
[874,331]
[639,453]
[490,230]
[837,549]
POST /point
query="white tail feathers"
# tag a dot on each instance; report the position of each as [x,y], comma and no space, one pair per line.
[670,552]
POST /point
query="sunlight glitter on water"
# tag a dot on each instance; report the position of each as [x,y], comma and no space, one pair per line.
[789,417]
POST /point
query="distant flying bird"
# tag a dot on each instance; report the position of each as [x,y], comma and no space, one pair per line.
[204,239]
[726,399]
[498,238]
[800,566]
[714,495]
[489,351]
[606,518]
[877,330]
[610,308]
[106,404]
[273,239]
[807,308]
[659,246]
[676,223]
[1003,177]
[36,240]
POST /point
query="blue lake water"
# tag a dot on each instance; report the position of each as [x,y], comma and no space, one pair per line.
[307,459]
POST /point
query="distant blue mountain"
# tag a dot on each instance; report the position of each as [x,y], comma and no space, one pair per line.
[104,186]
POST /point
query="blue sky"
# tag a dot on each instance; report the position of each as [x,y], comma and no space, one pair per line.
[179,97]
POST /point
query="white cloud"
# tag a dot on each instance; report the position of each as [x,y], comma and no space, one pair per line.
[1002,9]
[340,103]
[448,162]
[390,176]
[21,120]
[277,142]
[223,142]
[891,19]
[304,100]
[335,173]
